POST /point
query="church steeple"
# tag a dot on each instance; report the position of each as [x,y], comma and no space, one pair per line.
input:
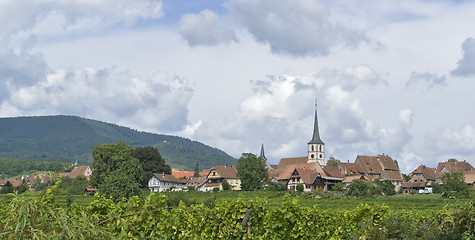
[262,151]
[316,151]
[262,156]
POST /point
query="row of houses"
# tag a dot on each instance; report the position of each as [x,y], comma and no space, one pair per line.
[45,177]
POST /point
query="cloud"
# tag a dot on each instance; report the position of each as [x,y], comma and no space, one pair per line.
[351,77]
[158,102]
[466,65]
[295,28]
[426,80]
[449,141]
[66,15]
[204,29]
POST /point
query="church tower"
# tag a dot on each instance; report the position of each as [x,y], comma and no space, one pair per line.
[262,156]
[316,147]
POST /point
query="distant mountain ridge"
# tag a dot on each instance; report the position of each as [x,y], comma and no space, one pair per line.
[67,138]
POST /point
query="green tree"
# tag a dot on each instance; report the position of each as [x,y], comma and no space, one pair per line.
[339,187]
[152,162]
[197,170]
[360,188]
[299,187]
[333,162]
[251,171]
[116,173]
[225,185]
[454,185]
[452,160]
[7,188]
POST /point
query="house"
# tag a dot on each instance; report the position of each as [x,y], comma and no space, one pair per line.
[182,174]
[381,167]
[451,167]
[160,182]
[81,170]
[423,174]
[469,178]
[311,175]
[197,182]
[409,187]
[217,174]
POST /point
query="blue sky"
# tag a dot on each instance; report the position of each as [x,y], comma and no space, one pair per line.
[391,77]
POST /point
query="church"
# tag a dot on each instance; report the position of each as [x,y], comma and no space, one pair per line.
[310,170]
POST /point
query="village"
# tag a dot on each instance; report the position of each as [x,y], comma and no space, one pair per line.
[309,171]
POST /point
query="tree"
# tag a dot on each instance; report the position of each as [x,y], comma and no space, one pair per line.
[452,160]
[333,162]
[299,187]
[454,185]
[339,187]
[152,162]
[360,188]
[197,170]
[7,188]
[251,171]
[225,185]
[116,172]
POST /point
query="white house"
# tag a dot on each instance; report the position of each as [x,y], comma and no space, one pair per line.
[160,182]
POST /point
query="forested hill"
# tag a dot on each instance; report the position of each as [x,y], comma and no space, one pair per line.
[67,138]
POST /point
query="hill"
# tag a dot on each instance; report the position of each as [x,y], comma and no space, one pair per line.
[67,138]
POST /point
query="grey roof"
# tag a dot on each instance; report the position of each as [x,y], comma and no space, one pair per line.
[262,152]
[316,135]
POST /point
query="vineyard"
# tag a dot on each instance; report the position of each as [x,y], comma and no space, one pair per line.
[28,216]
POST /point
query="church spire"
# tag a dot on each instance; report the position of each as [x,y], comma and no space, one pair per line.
[316,135]
[262,151]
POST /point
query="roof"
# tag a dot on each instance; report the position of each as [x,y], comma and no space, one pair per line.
[349,179]
[167,178]
[78,170]
[333,171]
[413,185]
[196,181]
[307,175]
[352,168]
[316,135]
[427,172]
[213,184]
[262,155]
[387,163]
[469,177]
[287,172]
[284,162]
[370,164]
[182,174]
[455,166]
[392,175]
[225,172]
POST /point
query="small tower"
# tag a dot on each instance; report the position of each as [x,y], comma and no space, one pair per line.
[316,147]
[262,156]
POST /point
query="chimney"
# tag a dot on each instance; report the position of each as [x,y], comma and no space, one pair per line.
[225,165]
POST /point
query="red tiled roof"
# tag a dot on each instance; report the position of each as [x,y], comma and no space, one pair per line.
[213,184]
[284,162]
[352,168]
[78,170]
[469,177]
[427,172]
[225,172]
[370,164]
[455,166]
[332,171]
[193,181]
[308,175]
[349,179]
[287,172]
[182,174]
[387,163]
[413,185]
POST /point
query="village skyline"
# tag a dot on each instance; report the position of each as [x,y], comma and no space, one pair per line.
[230,73]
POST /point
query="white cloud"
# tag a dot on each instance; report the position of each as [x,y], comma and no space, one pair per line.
[295,28]
[204,29]
[158,102]
[466,65]
[452,142]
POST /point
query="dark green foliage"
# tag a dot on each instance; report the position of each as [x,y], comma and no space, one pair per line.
[333,162]
[7,188]
[74,186]
[67,138]
[251,171]
[299,187]
[385,188]
[116,172]
[455,186]
[197,170]
[225,185]
[152,162]
[360,188]
[436,188]
[339,187]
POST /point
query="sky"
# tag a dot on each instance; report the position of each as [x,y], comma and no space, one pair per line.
[390,77]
